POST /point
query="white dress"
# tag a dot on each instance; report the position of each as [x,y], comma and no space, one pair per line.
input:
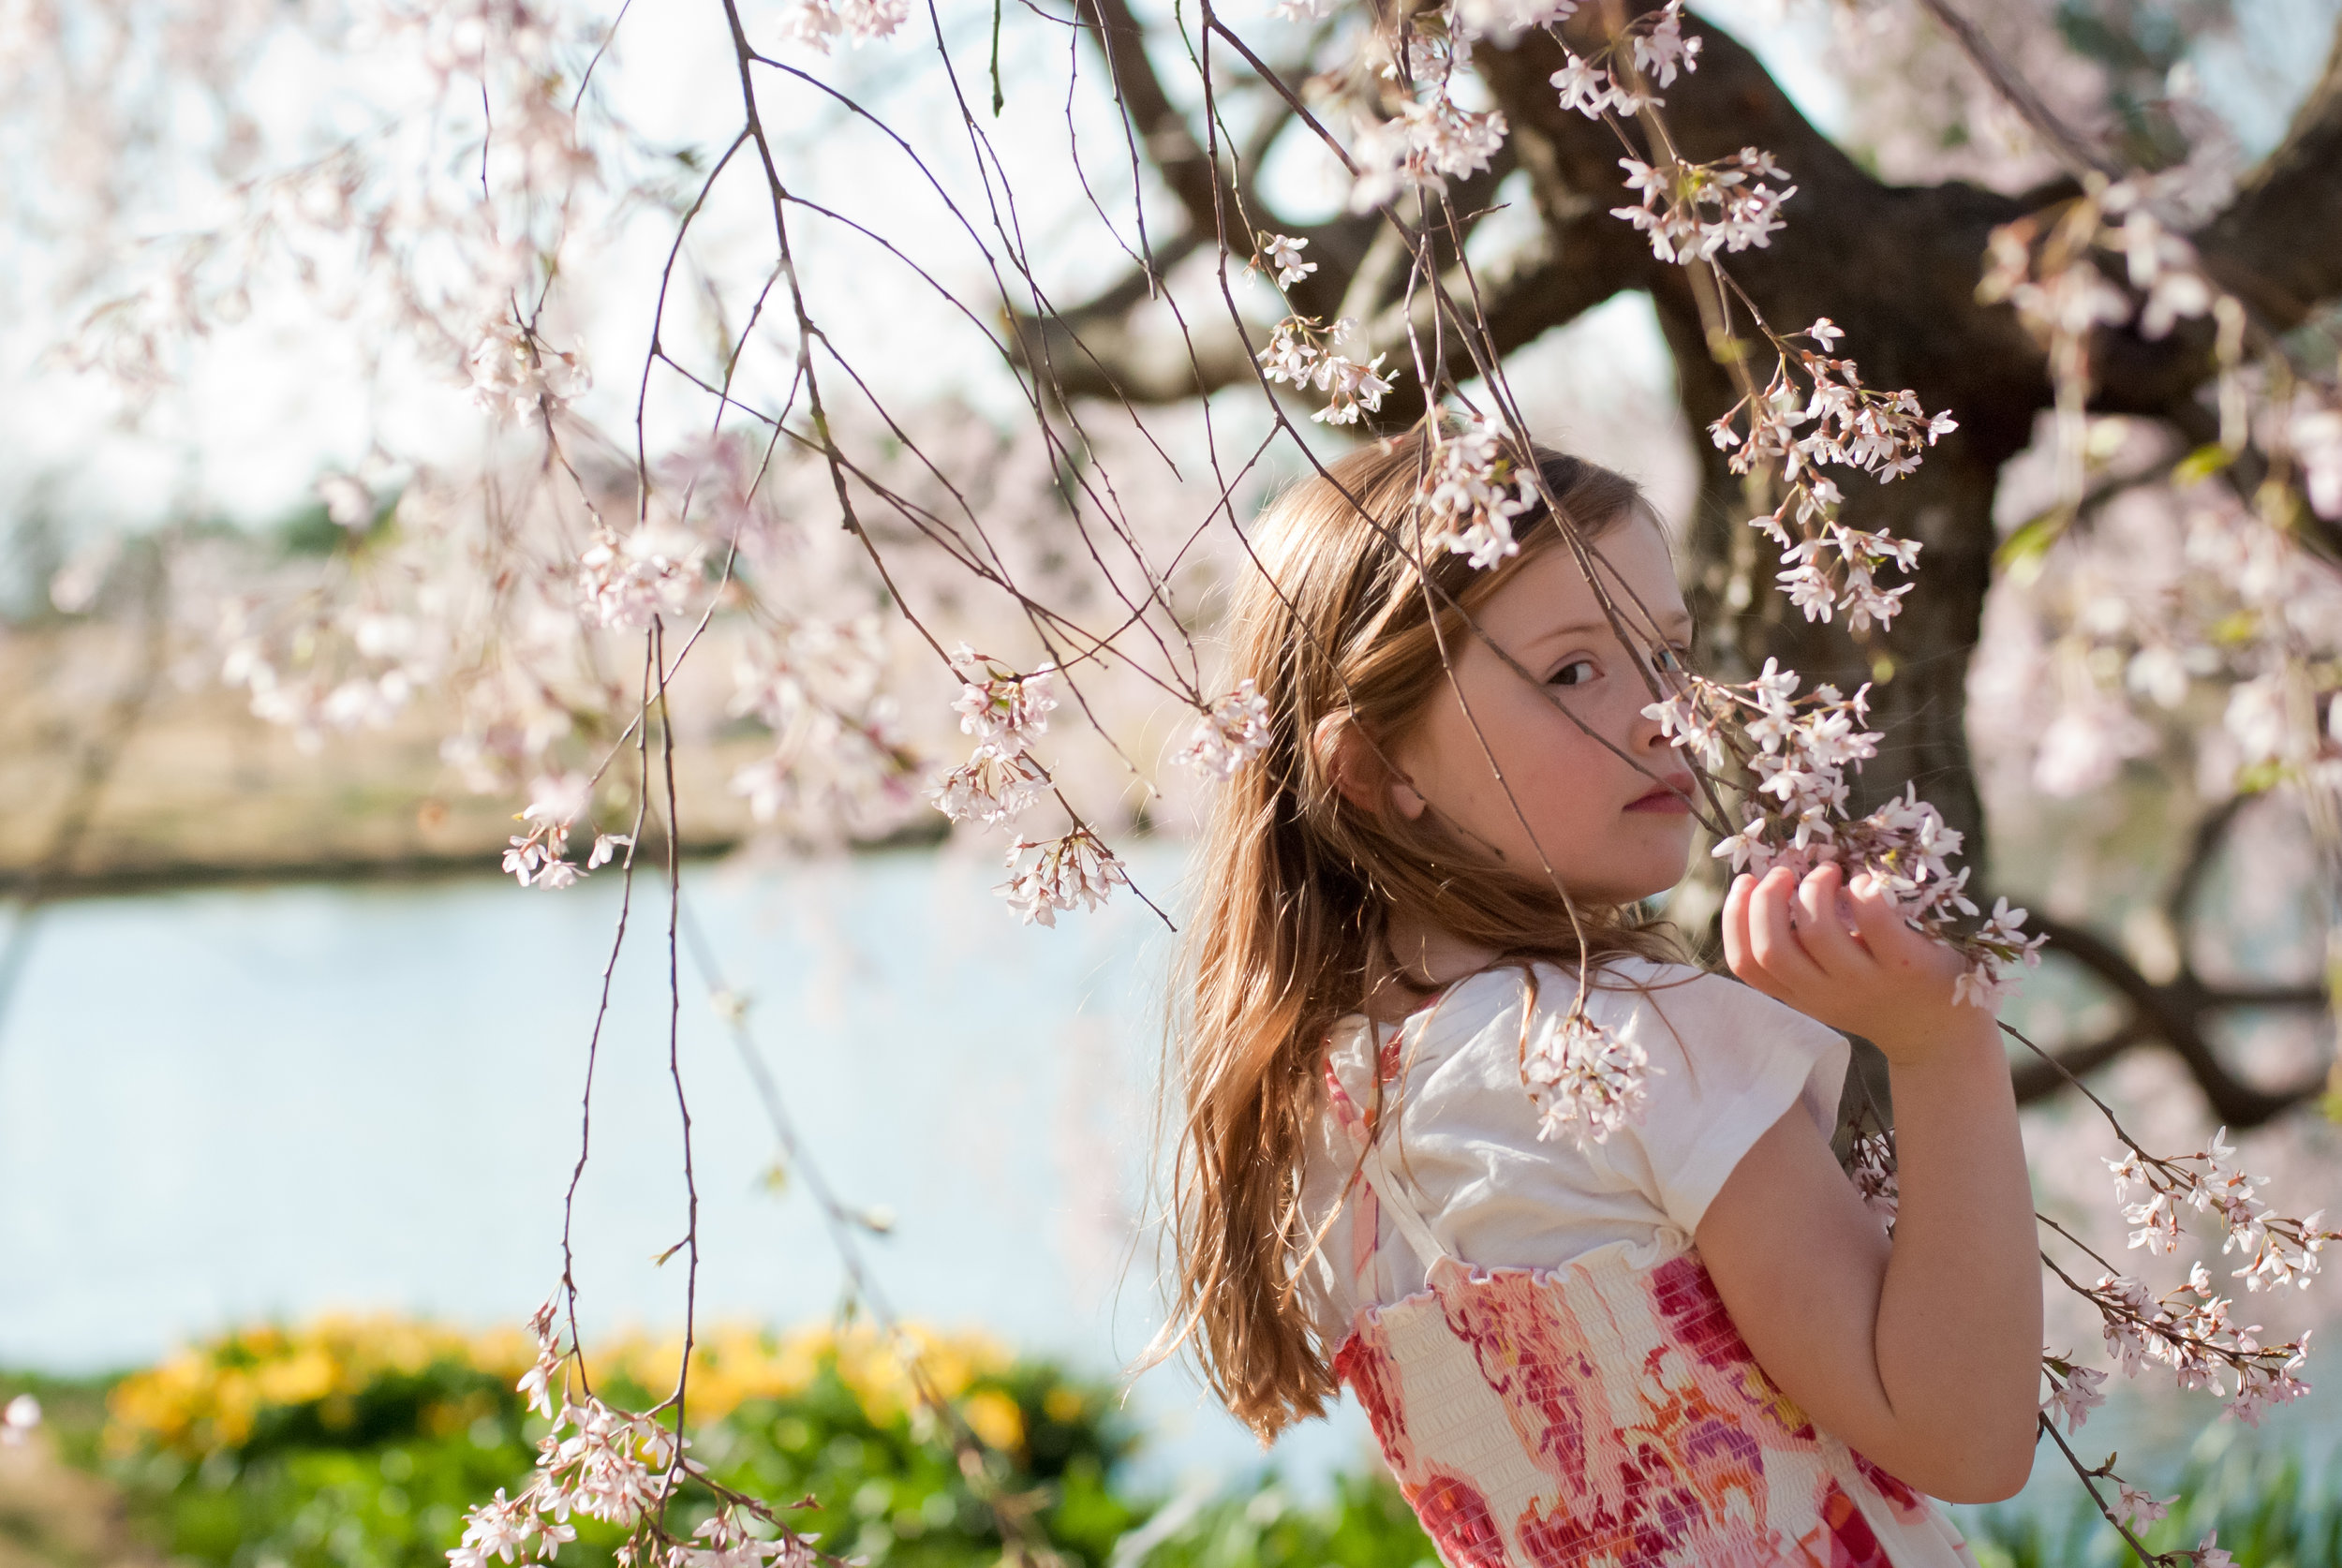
[1546,1363]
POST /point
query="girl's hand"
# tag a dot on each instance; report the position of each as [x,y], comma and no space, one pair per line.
[1842,955]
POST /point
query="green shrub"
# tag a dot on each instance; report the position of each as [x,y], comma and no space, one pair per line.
[360,1444]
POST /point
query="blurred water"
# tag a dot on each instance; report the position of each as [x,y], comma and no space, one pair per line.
[220,1106]
[227,1105]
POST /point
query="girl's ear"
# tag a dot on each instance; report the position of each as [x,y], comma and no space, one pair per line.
[1360,773]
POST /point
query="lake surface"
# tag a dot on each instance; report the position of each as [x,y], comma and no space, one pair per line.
[225,1105]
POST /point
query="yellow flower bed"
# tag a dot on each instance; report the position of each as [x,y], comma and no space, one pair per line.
[210,1395]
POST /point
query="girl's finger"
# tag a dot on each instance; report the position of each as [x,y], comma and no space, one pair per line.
[1735,928]
[1773,941]
[1821,925]
[1880,919]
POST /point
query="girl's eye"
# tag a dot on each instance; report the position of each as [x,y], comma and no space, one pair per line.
[1577,672]
[1669,661]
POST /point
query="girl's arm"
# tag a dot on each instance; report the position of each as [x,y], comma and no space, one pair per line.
[1922,1355]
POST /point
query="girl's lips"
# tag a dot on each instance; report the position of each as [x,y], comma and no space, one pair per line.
[1672,798]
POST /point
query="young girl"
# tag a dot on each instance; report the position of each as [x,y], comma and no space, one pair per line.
[1688,1342]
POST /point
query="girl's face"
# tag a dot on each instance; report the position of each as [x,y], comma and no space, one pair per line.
[1614,827]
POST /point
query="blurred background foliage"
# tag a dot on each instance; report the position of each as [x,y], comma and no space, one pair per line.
[358,1443]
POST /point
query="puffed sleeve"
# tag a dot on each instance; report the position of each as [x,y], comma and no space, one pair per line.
[1726,1062]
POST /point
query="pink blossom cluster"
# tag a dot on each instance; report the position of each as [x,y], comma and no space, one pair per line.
[2139,1508]
[2189,1330]
[2178,621]
[1300,353]
[1794,752]
[823,24]
[1880,432]
[1871,1165]
[2277,1250]
[603,1463]
[1506,19]
[1692,211]
[516,372]
[622,582]
[1279,255]
[620,1466]
[1004,711]
[1585,1081]
[1469,494]
[1230,733]
[2074,1391]
[1421,149]
[1829,566]
[539,858]
[723,1541]
[1659,48]
[1075,869]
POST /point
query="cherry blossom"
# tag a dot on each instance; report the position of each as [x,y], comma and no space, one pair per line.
[1230,733]
[1422,149]
[2189,1331]
[1001,705]
[1692,211]
[1300,353]
[2277,1250]
[1591,90]
[1794,753]
[1660,48]
[823,24]
[515,372]
[1652,45]
[1281,255]
[2138,1508]
[724,1541]
[2074,1391]
[1504,19]
[623,583]
[993,785]
[1586,1081]
[1471,491]
[1076,868]
[1871,1165]
[17,1418]
[508,1530]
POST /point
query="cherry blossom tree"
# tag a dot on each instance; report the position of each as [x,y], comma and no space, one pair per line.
[2025,344]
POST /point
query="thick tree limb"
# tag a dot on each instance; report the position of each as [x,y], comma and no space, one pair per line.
[2279,244]
[2176,1012]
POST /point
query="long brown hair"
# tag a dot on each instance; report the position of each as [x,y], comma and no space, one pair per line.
[1344,626]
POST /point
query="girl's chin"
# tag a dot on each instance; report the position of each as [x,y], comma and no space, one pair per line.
[1626,888]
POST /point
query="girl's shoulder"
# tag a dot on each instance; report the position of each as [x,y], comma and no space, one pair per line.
[1692,1009]
[1702,1007]
[1721,1063]
[1715,1049]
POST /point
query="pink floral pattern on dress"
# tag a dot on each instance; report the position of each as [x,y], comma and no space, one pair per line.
[1364,1363]
[1531,1354]
[1602,1413]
